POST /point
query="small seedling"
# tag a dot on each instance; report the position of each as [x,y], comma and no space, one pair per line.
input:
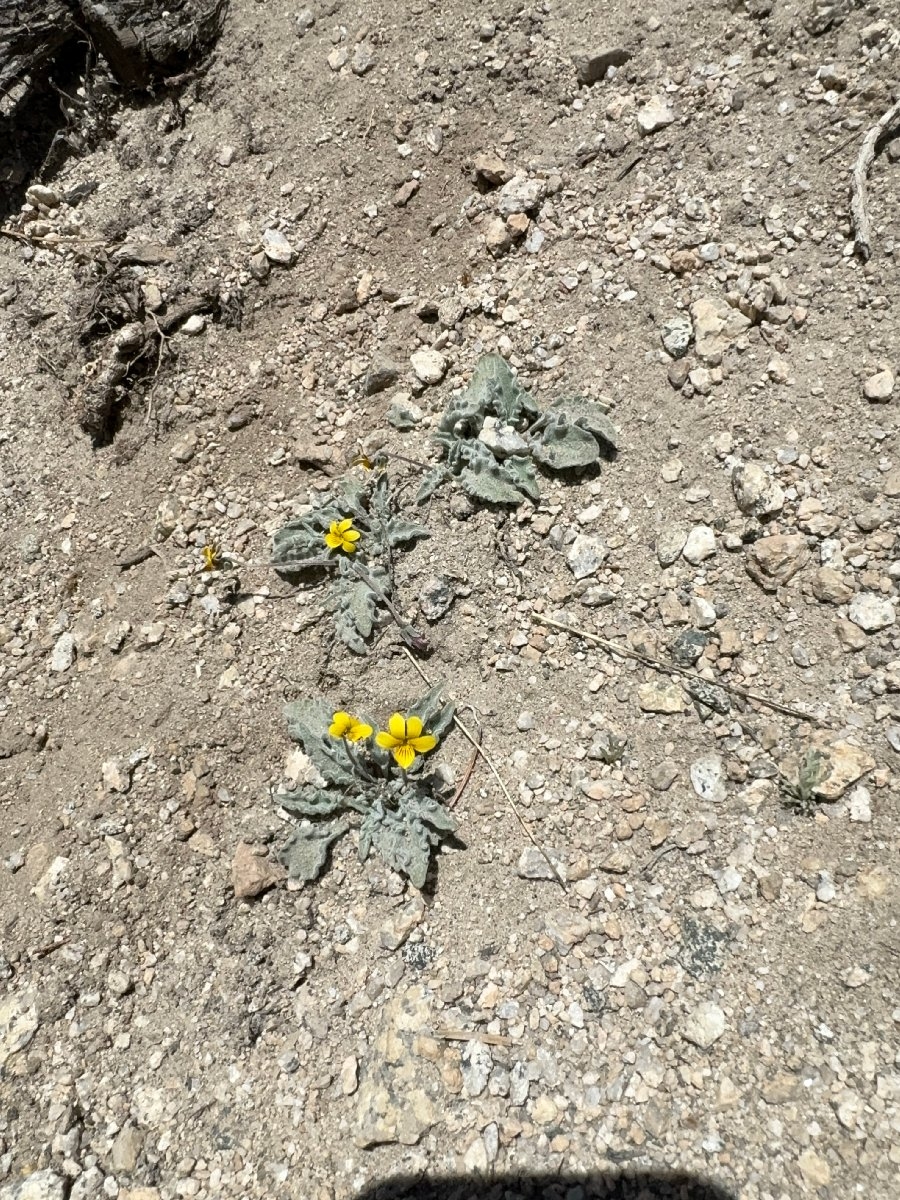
[801,793]
[349,537]
[493,434]
[380,777]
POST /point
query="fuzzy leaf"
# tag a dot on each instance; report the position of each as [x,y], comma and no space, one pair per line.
[503,395]
[578,410]
[490,484]
[520,472]
[402,843]
[362,605]
[311,802]
[422,807]
[306,850]
[435,714]
[400,531]
[347,632]
[308,722]
[431,481]
[563,447]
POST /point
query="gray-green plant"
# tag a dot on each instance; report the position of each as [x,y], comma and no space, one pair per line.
[493,435]
[361,583]
[401,815]
[800,793]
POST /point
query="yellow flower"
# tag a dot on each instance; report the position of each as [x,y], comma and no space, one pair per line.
[343,725]
[405,739]
[342,536]
[212,556]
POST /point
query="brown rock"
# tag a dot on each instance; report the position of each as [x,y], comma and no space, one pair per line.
[830,586]
[490,171]
[772,561]
[252,874]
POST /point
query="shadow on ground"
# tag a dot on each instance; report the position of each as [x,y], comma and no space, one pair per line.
[597,1185]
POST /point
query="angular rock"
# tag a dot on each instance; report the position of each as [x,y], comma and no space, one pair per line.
[700,545]
[277,248]
[592,68]
[490,171]
[476,1064]
[253,874]
[704,1026]
[661,698]
[18,1024]
[436,597]
[520,195]
[772,561]
[586,555]
[708,778]
[669,544]
[879,387]
[842,764]
[63,655]
[716,326]
[397,929]
[654,115]
[871,612]
[754,492]
[830,587]
[533,865]
[429,366]
[397,1100]
[677,333]
[381,375]
[39,1185]
[567,928]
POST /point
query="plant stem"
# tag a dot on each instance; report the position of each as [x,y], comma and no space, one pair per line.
[415,640]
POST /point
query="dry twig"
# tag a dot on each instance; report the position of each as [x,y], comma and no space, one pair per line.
[671,669]
[859,211]
[463,1035]
[493,770]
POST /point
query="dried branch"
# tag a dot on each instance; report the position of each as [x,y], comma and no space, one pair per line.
[859,211]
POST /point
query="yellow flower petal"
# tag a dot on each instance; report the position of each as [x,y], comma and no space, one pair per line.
[424,743]
[358,730]
[340,723]
[333,540]
[397,726]
[343,526]
[348,547]
[413,727]
[352,535]
[405,756]
[386,741]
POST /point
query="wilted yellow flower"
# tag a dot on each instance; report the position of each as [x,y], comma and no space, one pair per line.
[342,536]
[344,725]
[405,739]
[212,556]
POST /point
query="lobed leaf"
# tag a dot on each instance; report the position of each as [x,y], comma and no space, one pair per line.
[308,722]
[305,853]
[564,447]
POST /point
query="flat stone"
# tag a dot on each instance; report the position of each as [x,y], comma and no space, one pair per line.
[831,587]
[504,441]
[63,655]
[754,492]
[566,928]
[533,865]
[436,597]
[661,698]
[700,545]
[126,1148]
[490,170]
[277,248]
[654,115]
[814,1169]
[476,1064]
[880,387]
[382,374]
[772,561]
[669,544]
[520,195]
[397,1100]
[716,326]
[397,929]
[841,766]
[404,415]
[708,778]
[871,612]
[252,874]
[586,555]
[38,194]
[18,1024]
[592,68]
[429,366]
[860,805]
[704,1026]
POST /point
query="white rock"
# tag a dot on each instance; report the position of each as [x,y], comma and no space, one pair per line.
[18,1023]
[40,1185]
[870,612]
[700,544]
[879,387]
[754,492]
[586,555]
[520,195]
[677,333]
[703,614]
[429,366]
[654,115]
[860,802]
[704,1026]
[276,247]
[63,653]
[194,325]
[708,778]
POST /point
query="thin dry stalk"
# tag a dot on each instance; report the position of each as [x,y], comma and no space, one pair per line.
[671,669]
[859,209]
[493,770]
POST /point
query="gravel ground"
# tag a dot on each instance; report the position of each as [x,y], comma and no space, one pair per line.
[322,236]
